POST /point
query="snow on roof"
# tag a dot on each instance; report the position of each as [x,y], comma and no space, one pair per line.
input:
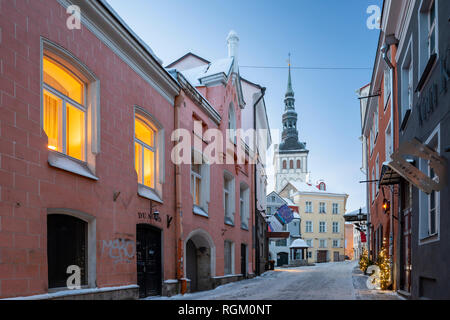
[305,187]
[299,243]
[219,66]
[296,215]
[289,202]
[355,212]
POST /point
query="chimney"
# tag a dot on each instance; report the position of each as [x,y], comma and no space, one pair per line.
[233,45]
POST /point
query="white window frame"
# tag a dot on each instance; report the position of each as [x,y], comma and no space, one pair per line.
[308,207]
[322,226]
[86,168]
[228,189]
[322,207]
[336,227]
[425,31]
[156,193]
[424,199]
[337,245]
[324,242]
[205,168]
[335,208]
[407,80]
[309,228]
[388,141]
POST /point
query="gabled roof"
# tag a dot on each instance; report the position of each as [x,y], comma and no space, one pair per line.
[199,76]
[273,193]
[189,54]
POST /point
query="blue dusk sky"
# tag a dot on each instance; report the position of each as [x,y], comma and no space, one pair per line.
[320,33]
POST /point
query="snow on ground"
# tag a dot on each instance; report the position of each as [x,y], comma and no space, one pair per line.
[325,281]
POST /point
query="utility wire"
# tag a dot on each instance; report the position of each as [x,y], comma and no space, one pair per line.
[307,68]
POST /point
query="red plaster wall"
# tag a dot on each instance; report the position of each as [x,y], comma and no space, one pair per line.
[28,185]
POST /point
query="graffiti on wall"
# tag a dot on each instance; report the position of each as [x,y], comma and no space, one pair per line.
[120,250]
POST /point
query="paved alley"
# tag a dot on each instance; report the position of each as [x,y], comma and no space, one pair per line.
[326,281]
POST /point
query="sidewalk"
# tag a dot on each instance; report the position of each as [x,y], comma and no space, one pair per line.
[364,293]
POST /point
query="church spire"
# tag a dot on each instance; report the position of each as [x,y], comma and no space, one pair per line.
[289,91]
[289,118]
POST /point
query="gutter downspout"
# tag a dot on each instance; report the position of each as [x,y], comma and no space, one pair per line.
[179,209]
[257,260]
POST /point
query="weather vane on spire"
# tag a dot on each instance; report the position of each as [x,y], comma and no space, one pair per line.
[289,59]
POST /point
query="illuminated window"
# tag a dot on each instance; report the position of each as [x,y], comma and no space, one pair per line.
[196,182]
[144,149]
[64,110]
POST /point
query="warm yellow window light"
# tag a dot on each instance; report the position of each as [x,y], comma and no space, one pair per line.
[144,153]
[63,81]
[75,132]
[64,111]
[52,121]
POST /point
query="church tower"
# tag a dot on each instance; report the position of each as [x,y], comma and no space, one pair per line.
[291,156]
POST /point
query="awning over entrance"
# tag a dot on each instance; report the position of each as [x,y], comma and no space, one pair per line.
[277,235]
[389,176]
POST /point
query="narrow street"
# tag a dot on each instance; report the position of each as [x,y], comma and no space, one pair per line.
[326,281]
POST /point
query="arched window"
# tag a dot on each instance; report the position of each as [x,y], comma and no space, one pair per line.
[145,151]
[232,123]
[299,164]
[66,246]
[64,109]
[291,164]
[70,111]
[284,164]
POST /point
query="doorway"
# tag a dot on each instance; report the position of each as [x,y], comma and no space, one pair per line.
[244,260]
[282,259]
[321,256]
[148,252]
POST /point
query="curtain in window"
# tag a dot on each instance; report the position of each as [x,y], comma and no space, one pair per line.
[52,109]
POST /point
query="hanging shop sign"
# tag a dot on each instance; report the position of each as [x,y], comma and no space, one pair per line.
[413,174]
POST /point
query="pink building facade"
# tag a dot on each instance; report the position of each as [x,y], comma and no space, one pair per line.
[89,195]
[216,225]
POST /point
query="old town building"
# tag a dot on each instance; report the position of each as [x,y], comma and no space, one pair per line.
[94,194]
[322,217]
[414,44]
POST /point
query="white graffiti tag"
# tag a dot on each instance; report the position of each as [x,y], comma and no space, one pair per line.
[120,250]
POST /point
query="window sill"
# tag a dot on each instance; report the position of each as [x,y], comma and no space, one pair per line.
[244,228]
[66,163]
[146,192]
[429,239]
[199,211]
[229,223]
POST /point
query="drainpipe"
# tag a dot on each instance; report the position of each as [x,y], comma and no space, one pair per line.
[257,261]
[179,212]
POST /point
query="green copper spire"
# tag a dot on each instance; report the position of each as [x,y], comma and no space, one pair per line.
[289,91]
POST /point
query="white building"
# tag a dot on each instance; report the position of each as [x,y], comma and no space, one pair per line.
[279,249]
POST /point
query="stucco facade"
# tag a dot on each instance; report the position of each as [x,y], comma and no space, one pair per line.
[322,229]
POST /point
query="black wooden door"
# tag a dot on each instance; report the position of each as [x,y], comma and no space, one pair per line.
[148,251]
[243,259]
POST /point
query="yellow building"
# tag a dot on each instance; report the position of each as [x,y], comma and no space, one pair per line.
[322,219]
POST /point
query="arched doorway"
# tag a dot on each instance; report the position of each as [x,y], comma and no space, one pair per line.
[199,260]
[148,254]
